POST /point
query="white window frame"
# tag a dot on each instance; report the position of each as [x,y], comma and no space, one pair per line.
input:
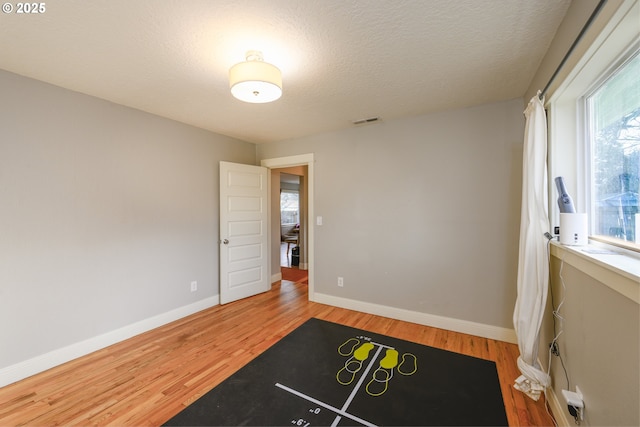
[568,146]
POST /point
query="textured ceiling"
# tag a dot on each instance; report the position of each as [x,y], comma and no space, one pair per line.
[341,60]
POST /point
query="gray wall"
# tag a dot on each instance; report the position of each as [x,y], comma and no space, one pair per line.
[106,215]
[420,214]
[600,346]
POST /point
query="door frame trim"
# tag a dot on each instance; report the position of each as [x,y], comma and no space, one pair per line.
[285,162]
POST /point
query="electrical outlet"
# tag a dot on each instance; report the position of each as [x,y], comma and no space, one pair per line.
[575,403]
[340,282]
[194,286]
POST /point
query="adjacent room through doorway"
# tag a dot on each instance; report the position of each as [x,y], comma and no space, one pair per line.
[292,226]
[301,166]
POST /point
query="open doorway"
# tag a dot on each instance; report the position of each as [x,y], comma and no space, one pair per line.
[293,226]
[289,219]
[305,163]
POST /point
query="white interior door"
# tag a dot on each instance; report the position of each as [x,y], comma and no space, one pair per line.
[243,231]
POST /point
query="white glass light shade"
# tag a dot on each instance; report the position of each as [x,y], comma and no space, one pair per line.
[255,81]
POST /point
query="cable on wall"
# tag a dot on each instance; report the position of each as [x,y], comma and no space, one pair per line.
[554,350]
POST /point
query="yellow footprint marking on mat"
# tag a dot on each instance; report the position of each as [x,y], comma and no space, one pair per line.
[362,353]
[354,364]
[386,376]
[403,369]
[384,373]
[390,360]
[350,342]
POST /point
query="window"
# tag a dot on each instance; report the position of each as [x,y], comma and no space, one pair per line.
[594,131]
[613,123]
[289,207]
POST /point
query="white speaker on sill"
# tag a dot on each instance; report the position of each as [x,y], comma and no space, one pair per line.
[574,229]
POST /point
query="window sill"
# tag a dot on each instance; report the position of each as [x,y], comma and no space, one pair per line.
[614,267]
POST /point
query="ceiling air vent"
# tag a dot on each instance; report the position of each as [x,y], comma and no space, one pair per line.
[369,120]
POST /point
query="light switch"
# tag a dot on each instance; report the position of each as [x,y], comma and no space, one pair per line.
[319,220]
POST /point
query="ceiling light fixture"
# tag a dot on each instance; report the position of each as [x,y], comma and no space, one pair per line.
[254,80]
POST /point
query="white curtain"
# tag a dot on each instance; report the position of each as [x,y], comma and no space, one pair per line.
[533,267]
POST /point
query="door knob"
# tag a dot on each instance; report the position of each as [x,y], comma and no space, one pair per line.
[225,241]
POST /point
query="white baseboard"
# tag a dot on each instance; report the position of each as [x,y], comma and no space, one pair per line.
[558,409]
[57,357]
[448,323]
[276,277]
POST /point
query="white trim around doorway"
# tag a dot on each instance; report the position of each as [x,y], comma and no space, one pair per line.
[299,160]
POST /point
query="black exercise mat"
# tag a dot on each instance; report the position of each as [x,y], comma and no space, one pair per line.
[305,379]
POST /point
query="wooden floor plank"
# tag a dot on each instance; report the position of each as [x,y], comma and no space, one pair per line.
[149,378]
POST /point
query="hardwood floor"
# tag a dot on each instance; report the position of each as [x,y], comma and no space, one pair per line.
[295,275]
[151,377]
